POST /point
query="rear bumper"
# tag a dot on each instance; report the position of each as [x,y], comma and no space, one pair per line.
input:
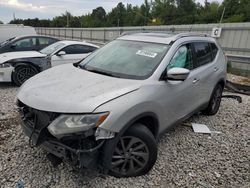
[5,74]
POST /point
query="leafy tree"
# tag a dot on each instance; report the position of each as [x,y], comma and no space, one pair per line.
[98,17]
[186,11]
[117,15]
[1,22]
[210,13]
[164,11]
[153,12]
[244,10]
[86,21]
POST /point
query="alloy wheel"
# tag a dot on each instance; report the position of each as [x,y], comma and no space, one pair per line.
[131,155]
[24,74]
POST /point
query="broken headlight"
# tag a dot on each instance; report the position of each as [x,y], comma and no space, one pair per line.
[66,124]
[4,65]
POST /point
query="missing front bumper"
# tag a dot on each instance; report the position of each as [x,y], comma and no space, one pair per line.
[78,150]
[82,158]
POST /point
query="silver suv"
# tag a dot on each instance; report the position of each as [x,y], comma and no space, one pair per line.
[107,111]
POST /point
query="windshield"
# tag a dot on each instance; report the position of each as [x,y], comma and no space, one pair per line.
[126,59]
[52,48]
[7,41]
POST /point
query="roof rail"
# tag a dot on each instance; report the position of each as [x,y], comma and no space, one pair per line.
[133,32]
[177,35]
[190,34]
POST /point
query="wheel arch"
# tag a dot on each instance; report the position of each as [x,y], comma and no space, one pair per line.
[25,63]
[22,63]
[149,119]
[221,82]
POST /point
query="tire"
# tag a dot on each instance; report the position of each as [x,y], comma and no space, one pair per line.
[215,100]
[22,73]
[135,153]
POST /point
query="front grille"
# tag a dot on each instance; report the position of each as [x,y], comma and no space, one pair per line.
[36,120]
[34,117]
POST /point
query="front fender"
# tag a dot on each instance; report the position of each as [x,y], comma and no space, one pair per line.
[126,109]
[40,63]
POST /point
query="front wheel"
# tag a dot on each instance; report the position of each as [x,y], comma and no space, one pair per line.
[135,153]
[214,103]
[22,73]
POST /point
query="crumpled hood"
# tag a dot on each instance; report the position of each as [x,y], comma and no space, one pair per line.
[67,89]
[16,55]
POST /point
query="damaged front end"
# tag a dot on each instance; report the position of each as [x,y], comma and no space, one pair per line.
[72,138]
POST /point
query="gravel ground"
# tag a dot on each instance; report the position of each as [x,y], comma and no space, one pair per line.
[185,158]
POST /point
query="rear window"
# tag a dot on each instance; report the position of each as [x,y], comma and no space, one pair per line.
[203,53]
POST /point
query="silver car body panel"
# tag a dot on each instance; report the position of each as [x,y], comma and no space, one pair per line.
[83,95]
[68,89]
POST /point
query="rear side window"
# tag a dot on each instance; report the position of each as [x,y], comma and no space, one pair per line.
[203,53]
[214,50]
[44,41]
[92,48]
[78,49]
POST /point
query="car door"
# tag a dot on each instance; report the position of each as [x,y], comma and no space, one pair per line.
[180,98]
[206,69]
[73,54]
[24,44]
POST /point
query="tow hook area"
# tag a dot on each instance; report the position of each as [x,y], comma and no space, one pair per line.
[81,158]
[55,161]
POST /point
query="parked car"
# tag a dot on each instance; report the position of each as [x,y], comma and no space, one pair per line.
[109,111]
[17,67]
[8,31]
[26,43]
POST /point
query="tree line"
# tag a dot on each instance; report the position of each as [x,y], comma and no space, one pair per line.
[155,12]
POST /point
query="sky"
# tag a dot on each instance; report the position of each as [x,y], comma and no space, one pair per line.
[47,9]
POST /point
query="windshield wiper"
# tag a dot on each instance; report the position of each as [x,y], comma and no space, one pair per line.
[101,72]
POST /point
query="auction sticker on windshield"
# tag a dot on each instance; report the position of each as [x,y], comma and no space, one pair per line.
[146,53]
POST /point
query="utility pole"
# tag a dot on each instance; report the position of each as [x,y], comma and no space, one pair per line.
[118,25]
[67,20]
[222,15]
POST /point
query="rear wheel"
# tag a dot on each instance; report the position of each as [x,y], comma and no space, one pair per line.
[214,103]
[135,153]
[22,73]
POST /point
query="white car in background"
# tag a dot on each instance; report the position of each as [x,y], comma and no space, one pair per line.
[17,67]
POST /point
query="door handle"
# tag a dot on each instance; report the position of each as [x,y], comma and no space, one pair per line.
[195,81]
[216,69]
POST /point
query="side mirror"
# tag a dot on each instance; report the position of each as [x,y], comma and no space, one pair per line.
[61,53]
[178,74]
[13,46]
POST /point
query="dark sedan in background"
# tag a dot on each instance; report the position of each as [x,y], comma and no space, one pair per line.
[26,43]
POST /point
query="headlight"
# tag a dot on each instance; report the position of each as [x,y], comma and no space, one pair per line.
[4,65]
[66,124]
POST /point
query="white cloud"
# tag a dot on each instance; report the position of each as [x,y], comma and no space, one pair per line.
[23,6]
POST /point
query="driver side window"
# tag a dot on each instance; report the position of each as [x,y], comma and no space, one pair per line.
[183,58]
